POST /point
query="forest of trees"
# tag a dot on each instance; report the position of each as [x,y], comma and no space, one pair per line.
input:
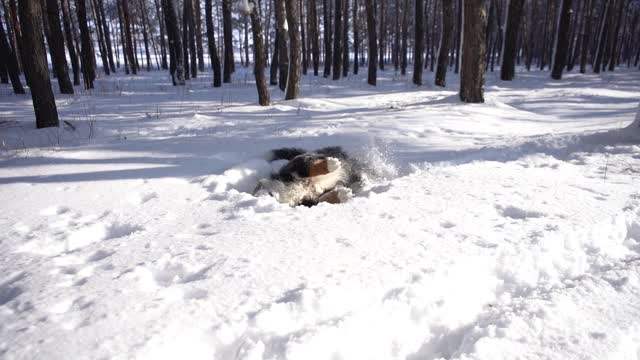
[290,38]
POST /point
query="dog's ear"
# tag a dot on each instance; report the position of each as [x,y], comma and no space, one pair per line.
[318,167]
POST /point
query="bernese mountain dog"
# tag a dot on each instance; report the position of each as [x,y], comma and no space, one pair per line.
[310,177]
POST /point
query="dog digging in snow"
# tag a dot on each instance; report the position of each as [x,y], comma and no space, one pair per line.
[311,177]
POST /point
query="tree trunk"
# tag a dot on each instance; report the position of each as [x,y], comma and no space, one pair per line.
[356,37]
[282,34]
[616,32]
[314,35]
[35,64]
[123,42]
[185,39]
[97,21]
[337,40]
[585,37]
[575,26]
[396,38]
[445,42]
[382,34]
[107,35]
[562,41]
[228,40]
[345,40]
[17,46]
[373,42]
[127,36]
[56,46]
[602,37]
[163,45]
[176,61]
[198,23]
[4,74]
[304,38]
[75,66]
[405,32]
[418,46]
[273,77]
[211,44]
[11,62]
[473,51]
[532,30]
[293,80]
[88,71]
[143,13]
[258,54]
[458,36]
[508,68]
[327,39]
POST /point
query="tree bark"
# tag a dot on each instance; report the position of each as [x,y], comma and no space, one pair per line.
[356,37]
[211,44]
[4,74]
[458,36]
[56,45]
[473,51]
[305,62]
[127,35]
[293,80]
[185,39]
[88,70]
[337,39]
[615,36]
[258,55]
[35,64]
[405,33]
[373,43]
[163,46]
[585,36]
[282,34]
[200,48]
[176,61]
[314,35]
[107,35]
[562,41]
[602,37]
[382,35]
[574,44]
[246,41]
[145,36]
[273,77]
[17,32]
[123,42]
[97,21]
[345,40]
[418,46]
[508,68]
[228,40]
[327,39]
[445,42]
[11,62]
[75,66]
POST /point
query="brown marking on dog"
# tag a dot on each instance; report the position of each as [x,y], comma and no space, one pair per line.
[331,197]
[319,167]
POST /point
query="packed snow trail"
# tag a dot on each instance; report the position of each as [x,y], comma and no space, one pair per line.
[516,236]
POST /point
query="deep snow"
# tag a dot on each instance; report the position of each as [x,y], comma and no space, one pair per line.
[503,230]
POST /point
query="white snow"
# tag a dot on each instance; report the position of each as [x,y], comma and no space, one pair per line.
[504,230]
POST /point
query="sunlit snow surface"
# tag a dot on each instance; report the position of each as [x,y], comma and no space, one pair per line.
[504,230]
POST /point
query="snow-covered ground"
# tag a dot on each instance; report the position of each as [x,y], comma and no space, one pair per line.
[504,230]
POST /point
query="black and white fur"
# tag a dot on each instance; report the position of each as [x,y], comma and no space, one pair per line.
[294,185]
